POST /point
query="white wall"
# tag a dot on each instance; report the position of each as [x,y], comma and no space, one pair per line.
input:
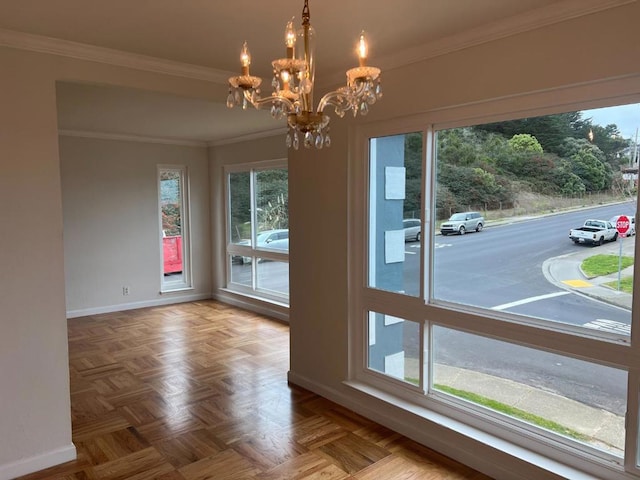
[594,47]
[35,417]
[111,231]
[34,399]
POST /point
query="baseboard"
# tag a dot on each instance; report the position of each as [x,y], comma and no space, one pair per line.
[156,302]
[482,456]
[253,304]
[38,462]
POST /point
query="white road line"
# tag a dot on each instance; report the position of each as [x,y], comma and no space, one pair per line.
[609,326]
[504,306]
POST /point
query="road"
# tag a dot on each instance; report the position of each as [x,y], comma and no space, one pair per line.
[501,268]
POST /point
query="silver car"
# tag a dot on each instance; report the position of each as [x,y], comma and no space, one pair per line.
[412,229]
[462,223]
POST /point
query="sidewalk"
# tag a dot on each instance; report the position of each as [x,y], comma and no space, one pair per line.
[565,272]
[605,429]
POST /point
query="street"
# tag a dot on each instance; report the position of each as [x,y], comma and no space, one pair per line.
[502,266]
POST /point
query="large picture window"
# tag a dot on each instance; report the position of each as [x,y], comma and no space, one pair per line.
[258,230]
[517,238]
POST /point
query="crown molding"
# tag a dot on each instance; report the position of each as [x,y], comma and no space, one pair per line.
[531,20]
[81,51]
[123,137]
[248,137]
[534,19]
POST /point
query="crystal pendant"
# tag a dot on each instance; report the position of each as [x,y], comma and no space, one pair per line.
[296,140]
[236,96]
[305,85]
[364,108]
[288,140]
[319,141]
[231,101]
[274,111]
[379,90]
[308,140]
[327,140]
[275,84]
[244,103]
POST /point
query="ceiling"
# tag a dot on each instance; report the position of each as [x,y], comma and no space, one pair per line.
[210,33]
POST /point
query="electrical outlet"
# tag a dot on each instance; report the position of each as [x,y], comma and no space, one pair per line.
[125,291]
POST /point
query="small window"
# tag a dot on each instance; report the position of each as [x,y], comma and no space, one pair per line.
[174,228]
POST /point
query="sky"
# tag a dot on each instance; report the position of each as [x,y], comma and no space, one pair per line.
[626,117]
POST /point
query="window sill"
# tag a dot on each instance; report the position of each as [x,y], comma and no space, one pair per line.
[179,289]
[518,453]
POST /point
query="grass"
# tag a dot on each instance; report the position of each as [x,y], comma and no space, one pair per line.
[513,412]
[599,265]
[626,284]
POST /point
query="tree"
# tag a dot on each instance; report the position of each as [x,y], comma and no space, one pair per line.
[272,199]
[549,130]
[590,170]
[525,143]
[413,163]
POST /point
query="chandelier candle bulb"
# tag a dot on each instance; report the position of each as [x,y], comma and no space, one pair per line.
[293,87]
[290,38]
[285,79]
[362,50]
[245,59]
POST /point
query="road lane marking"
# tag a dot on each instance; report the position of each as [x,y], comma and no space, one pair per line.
[609,326]
[577,283]
[505,306]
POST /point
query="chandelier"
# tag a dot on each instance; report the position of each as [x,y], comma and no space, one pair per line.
[293,85]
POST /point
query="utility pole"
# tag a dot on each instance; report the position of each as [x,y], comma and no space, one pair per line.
[633,161]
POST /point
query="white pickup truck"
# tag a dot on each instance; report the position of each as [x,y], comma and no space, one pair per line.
[595,232]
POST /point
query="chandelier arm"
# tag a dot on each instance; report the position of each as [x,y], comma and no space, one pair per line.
[258,103]
[335,98]
[349,93]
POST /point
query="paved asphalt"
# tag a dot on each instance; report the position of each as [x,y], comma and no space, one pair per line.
[604,429]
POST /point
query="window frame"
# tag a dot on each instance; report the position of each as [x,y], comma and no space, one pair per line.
[186,280]
[596,346]
[232,249]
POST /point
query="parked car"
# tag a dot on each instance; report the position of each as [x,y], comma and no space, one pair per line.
[277,239]
[462,223]
[412,229]
[632,223]
[594,232]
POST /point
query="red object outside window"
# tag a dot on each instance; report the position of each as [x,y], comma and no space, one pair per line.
[172,254]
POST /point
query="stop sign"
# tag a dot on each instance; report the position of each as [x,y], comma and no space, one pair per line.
[622,224]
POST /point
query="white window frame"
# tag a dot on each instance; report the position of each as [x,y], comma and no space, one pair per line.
[184,282]
[610,350]
[251,251]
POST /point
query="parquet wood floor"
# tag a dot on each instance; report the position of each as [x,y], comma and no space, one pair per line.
[198,391]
